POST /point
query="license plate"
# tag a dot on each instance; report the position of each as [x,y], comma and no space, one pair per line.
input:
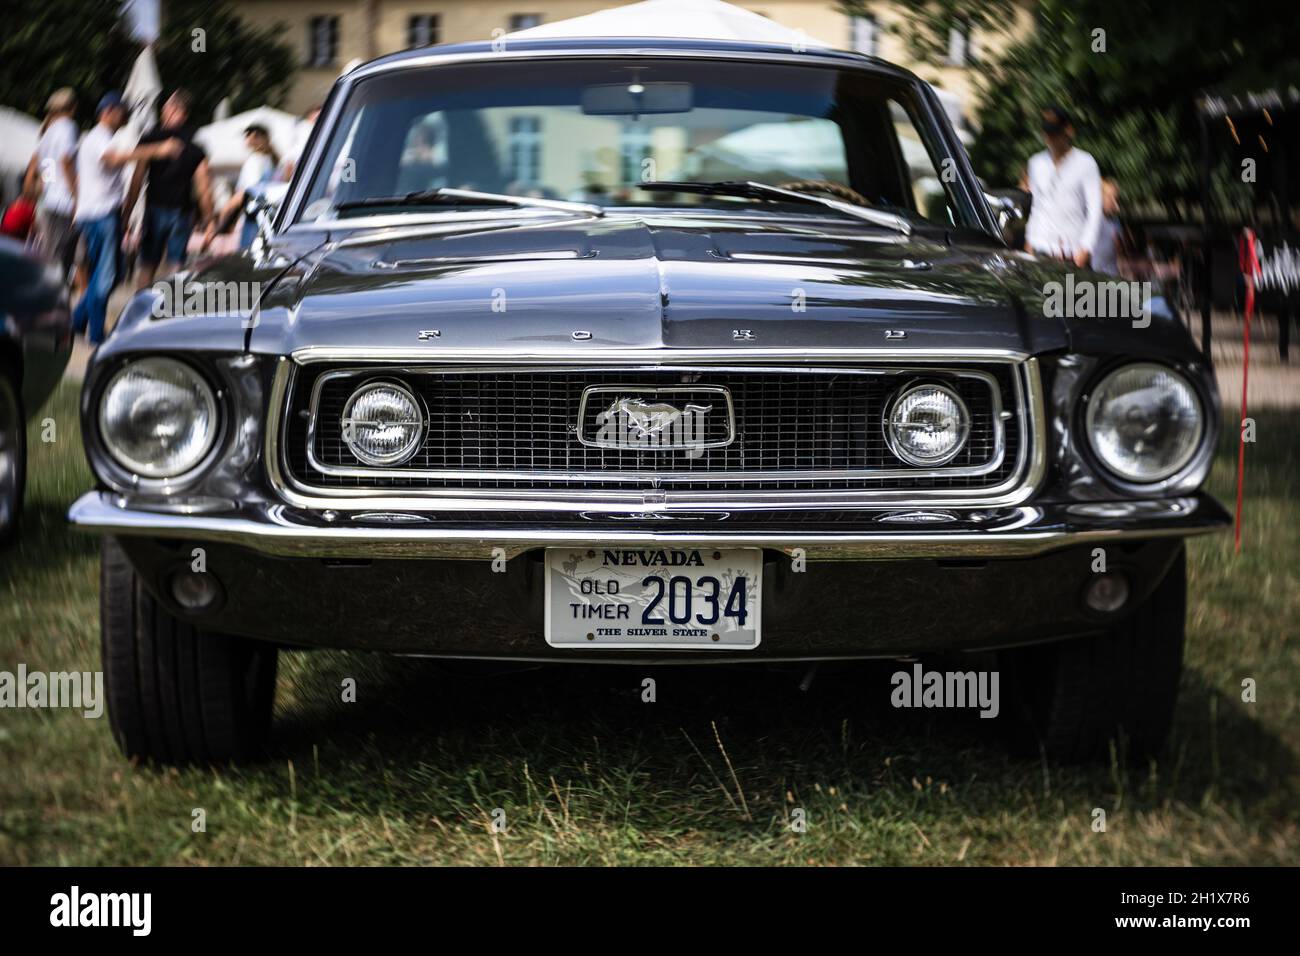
[654,598]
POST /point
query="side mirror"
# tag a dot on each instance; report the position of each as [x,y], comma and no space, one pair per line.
[261,206]
[1011,207]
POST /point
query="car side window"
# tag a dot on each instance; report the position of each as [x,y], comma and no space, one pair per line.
[338,170]
[925,177]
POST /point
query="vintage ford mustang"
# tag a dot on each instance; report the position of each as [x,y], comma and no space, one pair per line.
[641,350]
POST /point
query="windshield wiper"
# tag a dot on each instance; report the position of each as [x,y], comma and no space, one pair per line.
[754,190]
[446,195]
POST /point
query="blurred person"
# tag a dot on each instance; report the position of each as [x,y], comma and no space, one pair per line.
[101,188]
[52,174]
[258,170]
[176,187]
[1105,252]
[1066,185]
[20,215]
[418,169]
[300,136]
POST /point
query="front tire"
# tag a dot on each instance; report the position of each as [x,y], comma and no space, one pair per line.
[13,452]
[177,695]
[1071,700]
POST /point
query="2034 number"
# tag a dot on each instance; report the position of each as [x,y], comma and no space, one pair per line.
[679,592]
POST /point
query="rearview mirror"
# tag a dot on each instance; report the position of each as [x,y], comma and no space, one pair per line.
[621,99]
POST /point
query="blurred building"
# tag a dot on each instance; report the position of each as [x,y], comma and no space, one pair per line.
[332,33]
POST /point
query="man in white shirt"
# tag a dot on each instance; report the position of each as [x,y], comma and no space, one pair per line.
[1066,186]
[101,187]
[52,169]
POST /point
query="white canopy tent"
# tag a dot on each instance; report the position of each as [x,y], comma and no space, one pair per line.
[223,140]
[691,19]
[19,134]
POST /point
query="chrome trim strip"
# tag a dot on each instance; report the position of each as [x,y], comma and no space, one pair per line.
[429,261]
[564,352]
[275,532]
[825,474]
[1031,466]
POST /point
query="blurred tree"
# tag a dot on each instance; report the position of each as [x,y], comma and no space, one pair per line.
[1129,70]
[48,44]
[210,51]
[84,44]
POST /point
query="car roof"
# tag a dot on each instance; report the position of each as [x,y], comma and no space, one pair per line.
[570,46]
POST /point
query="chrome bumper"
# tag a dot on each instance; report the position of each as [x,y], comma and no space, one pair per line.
[1002,533]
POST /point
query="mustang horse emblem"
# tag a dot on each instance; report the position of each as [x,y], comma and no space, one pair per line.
[651,418]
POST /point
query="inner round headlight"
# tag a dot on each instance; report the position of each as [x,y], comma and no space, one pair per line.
[382,424]
[927,425]
[157,417]
[1145,422]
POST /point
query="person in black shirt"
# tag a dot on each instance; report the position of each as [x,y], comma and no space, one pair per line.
[177,186]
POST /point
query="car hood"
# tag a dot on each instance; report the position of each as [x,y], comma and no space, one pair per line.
[647,281]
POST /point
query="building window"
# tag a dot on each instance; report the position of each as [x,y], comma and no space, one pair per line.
[961,45]
[322,41]
[523,21]
[423,29]
[862,34]
[634,149]
[525,150]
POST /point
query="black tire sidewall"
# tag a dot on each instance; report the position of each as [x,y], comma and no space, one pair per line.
[9,382]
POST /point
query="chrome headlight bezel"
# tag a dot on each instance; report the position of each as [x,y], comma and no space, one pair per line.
[889,428]
[121,469]
[407,453]
[1189,470]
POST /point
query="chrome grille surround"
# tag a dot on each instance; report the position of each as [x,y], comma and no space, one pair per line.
[666,490]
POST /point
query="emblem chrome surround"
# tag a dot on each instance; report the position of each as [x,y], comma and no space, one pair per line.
[654,419]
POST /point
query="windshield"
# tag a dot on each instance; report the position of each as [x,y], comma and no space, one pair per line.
[595,130]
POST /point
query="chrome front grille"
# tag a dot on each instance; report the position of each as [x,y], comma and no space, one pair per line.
[809,428]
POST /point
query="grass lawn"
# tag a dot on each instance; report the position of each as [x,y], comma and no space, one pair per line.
[588,774]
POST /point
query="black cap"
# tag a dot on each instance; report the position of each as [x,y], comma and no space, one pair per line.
[1056,119]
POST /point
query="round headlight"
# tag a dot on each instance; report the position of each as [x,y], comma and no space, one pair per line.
[1144,422]
[157,417]
[927,425]
[382,424]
